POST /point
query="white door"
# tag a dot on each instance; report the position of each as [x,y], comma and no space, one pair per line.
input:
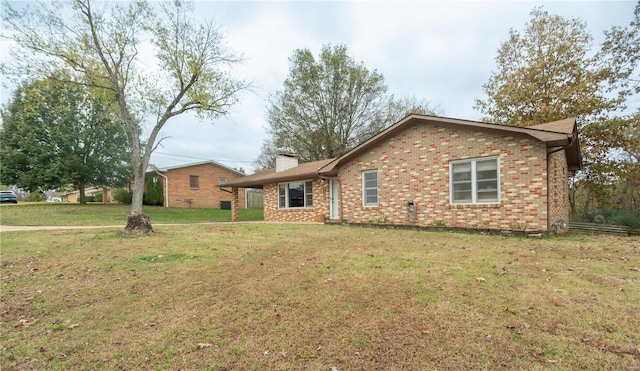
[334,196]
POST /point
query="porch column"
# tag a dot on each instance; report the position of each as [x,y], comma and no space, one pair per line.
[234,204]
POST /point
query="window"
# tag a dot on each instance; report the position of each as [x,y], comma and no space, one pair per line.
[370,188]
[223,181]
[474,181]
[295,194]
[194,181]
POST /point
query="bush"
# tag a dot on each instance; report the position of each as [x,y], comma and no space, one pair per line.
[153,196]
[628,218]
[122,195]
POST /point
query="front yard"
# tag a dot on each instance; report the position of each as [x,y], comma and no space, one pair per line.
[281,297]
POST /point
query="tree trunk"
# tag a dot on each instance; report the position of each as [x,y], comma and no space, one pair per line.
[105,195]
[81,196]
[587,203]
[572,199]
[137,223]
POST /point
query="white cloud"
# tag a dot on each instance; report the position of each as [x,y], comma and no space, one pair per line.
[434,50]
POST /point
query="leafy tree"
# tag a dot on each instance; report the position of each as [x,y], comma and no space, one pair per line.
[55,134]
[620,54]
[548,73]
[612,178]
[101,47]
[545,74]
[328,105]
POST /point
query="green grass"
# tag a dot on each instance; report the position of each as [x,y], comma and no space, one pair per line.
[63,214]
[284,297]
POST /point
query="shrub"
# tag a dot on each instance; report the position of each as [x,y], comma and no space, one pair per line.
[153,196]
[628,218]
[122,195]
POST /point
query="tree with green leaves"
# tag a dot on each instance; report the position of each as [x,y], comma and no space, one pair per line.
[620,54]
[54,135]
[548,73]
[99,45]
[329,105]
[545,74]
[393,111]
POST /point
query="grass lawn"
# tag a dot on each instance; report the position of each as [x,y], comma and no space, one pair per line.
[292,297]
[41,213]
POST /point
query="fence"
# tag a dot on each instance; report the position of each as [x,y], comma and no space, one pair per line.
[603,228]
[254,198]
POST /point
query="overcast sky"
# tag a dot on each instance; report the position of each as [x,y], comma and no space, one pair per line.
[441,52]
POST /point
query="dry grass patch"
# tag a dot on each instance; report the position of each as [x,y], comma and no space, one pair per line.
[256,296]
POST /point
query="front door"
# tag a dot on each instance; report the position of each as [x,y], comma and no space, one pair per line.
[334,197]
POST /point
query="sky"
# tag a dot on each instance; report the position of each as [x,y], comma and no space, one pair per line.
[438,51]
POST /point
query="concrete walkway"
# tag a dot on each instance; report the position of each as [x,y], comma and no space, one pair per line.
[15,228]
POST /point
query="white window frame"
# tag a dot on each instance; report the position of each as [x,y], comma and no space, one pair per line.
[222,180]
[474,181]
[307,195]
[366,189]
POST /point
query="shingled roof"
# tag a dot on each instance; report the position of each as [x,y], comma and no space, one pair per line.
[561,133]
[307,170]
[556,134]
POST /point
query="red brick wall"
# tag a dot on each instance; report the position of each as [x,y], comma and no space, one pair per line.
[207,195]
[320,205]
[414,165]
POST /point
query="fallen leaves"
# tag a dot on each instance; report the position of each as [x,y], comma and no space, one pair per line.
[26,323]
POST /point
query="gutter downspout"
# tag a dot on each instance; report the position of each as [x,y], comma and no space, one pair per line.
[166,189]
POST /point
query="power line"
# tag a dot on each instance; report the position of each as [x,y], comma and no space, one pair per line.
[200,158]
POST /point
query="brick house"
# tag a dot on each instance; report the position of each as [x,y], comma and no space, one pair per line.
[195,185]
[74,196]
[433,171]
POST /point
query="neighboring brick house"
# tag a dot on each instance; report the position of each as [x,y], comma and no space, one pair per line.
[434,171]
[74,196]
[195,185]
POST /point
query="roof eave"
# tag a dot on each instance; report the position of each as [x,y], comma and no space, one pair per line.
[260,182]
[208,162]
[551,138]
